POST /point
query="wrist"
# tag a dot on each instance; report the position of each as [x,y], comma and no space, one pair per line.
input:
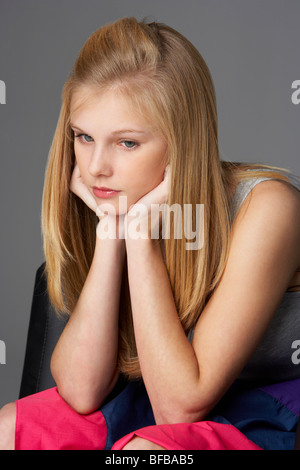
[145,245]
[110,227]
[114,245]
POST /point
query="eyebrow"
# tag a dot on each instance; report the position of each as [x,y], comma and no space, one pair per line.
[121,131]
[128,131]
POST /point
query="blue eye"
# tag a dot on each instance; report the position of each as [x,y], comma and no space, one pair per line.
[129,144]
[84,138]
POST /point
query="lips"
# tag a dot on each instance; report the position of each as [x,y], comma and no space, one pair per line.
[104,193]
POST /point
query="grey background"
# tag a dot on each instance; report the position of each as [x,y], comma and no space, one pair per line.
[252,49]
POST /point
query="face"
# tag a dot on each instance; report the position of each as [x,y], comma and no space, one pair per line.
[118,151]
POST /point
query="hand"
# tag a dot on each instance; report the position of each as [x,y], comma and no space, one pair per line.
[146,209]
[122,226]
[78,187]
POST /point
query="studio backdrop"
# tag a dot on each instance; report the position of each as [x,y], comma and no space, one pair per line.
[252,50]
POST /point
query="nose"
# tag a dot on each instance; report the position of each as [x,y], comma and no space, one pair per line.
[100,163]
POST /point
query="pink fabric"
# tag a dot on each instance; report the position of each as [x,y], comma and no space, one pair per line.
[46,422]
[205,435]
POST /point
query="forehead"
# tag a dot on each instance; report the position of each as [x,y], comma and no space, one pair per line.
[109,104]
[85,98]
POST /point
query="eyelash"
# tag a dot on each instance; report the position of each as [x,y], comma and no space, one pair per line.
[136,144]
[79,137]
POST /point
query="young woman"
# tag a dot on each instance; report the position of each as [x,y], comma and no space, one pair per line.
[157,332]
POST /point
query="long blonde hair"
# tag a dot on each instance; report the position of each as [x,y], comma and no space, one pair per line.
[166,78]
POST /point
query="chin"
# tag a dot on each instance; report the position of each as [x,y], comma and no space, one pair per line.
[114,207]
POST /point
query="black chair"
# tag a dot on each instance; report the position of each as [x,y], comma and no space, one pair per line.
[44,330]
[297,440]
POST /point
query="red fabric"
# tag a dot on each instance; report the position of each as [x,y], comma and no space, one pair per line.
[205,435]
[46,422]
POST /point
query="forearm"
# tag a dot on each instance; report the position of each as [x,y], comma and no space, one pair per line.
[84,361]
[168,362]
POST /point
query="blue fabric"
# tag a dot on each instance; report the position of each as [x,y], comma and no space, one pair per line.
[256,412]
[260,416]
[128,411]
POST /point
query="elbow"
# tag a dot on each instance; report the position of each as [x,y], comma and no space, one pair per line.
[79,401]
[179,416]
[83,408]
[78,397]
[83,396]
[181,412]
[80,394]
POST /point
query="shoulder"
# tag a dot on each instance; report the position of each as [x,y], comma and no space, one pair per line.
[270,217]
[279,189]
[277,200]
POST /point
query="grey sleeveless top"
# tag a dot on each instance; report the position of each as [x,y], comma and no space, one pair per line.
[276,358]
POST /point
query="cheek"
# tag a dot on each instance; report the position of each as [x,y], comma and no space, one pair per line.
[143,179]
[152,173]
[81,161]
[151,178]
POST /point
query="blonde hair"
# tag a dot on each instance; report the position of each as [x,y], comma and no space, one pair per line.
[166,78]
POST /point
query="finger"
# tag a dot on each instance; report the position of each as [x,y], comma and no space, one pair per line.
[158,195]
[74,179]
[167,172]
[78,187]
[86,196]
[167,178]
